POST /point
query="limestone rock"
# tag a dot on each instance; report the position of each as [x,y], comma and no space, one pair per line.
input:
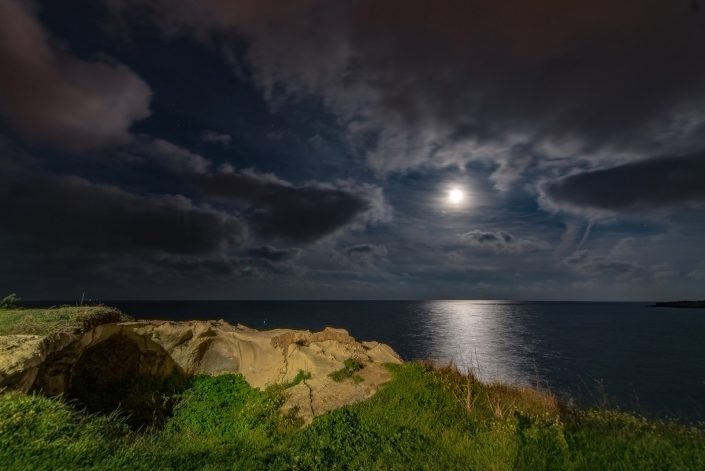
[19,360]
[109,354]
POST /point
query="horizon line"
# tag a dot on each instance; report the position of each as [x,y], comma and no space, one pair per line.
[89,301]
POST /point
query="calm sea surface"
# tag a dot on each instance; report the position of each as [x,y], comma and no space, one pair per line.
[651,360]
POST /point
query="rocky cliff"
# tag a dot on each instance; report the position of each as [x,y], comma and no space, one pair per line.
[110,354]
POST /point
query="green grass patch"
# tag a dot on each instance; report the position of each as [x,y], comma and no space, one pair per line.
[424,418]
[41,433]
[350,367]
[56,320]
[301,376]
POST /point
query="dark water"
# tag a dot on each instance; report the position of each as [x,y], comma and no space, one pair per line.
[650,360]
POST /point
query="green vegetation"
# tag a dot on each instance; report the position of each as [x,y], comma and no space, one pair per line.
[300,376]
[425,418]
[11,301]
[350,367]
[56,320]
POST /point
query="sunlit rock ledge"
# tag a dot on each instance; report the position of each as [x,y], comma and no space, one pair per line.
[109,354]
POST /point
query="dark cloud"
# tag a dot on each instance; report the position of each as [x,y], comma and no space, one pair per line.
[603,267]
[109,230]
[216,137]
[414,83]
[170,156]
[54,97]
[637,186]
[251,265]
[363,256]
[363,249]
[60,219]
[215,265]
[226,266]
[304,213]
[262,268]
[268,260]
[498,241]
[267,252]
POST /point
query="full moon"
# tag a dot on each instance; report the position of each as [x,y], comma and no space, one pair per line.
[455,196]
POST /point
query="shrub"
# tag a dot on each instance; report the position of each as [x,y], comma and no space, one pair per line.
[350,367]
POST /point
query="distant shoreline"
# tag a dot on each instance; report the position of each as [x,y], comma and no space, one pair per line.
[686,304]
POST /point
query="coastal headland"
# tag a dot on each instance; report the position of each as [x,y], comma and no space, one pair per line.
[91,388]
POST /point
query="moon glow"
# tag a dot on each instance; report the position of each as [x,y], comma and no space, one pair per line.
[455,196]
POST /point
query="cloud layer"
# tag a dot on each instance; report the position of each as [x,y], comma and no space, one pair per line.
[333,112]
[303,213]
[93,226]
[363,257]
[71,222]
[498,241]
[505,83]
[54,97]
[267,252]
[633,187]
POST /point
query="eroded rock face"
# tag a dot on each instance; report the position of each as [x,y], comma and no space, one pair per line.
[112,353]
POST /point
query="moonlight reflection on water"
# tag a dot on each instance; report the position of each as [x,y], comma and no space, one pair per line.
[487,338]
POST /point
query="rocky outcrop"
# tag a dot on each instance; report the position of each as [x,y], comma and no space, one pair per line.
[110,354]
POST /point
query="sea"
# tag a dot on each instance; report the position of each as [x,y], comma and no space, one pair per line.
[624,355]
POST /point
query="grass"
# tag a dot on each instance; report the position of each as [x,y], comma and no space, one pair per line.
[350,367]
[300,377]
[424,418]
[56,320]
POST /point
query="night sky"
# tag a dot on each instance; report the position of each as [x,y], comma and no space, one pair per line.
[303,149]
